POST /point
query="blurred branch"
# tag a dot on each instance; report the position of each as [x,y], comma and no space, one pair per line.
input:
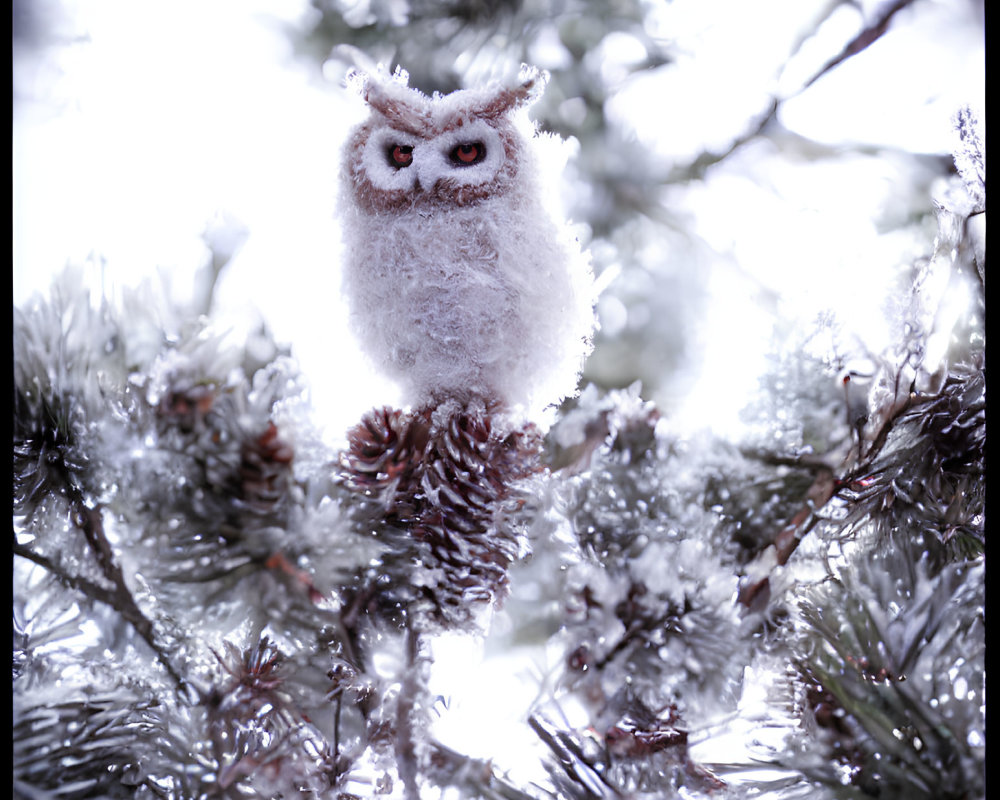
[407,758]
[866,37]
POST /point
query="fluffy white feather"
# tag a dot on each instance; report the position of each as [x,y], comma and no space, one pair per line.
[461,281]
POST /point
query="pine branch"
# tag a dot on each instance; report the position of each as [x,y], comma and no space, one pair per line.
[87,747]
[258,732]
[582,778]
[472,776]
[883,646]
[872,484]
[119,597]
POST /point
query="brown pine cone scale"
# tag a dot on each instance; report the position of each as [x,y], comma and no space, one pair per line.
[444,481]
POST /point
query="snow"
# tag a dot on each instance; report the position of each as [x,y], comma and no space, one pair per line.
[150,124]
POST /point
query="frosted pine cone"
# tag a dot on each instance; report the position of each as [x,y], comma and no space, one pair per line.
[224,491]
[384,451]
[265,471]
[441,484]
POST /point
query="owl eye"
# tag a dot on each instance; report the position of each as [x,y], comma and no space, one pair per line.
[469,153]
[400,155]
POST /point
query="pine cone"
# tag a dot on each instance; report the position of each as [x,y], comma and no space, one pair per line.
[265,471]
[442,481]
[384,450]
[241,471]
[186,405]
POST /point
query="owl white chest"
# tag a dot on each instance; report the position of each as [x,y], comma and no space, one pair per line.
[437,297]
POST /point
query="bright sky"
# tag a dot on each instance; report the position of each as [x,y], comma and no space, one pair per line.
[155,128]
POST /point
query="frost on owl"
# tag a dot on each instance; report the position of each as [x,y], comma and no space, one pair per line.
[461,283]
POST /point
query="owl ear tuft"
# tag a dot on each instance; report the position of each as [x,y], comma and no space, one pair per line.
[391,96]
[526,90]
[531,84]
[366,80]
[358,80]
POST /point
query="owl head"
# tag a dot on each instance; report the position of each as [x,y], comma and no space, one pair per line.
[436,151]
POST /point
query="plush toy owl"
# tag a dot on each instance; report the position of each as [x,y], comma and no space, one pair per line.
[462,284]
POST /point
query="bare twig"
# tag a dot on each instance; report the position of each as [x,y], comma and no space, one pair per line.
[868,36]
[407,761]
[788,539]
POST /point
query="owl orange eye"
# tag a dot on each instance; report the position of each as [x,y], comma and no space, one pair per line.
[467,154]
[401,155]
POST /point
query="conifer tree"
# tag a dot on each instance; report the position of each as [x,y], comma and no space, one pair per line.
[211,601]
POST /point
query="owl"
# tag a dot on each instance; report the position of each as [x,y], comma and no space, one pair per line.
[461,283]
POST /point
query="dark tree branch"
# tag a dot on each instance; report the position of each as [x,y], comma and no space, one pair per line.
[868,36]
[90,523]
[789,537]
[407,760]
